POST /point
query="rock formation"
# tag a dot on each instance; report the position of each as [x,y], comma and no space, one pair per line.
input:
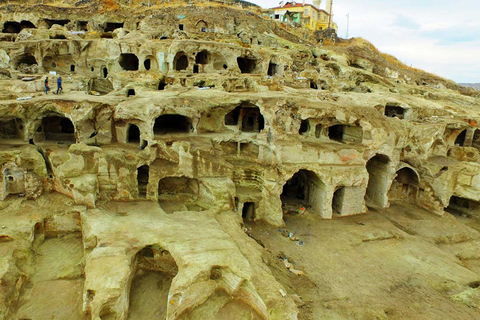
[179,124]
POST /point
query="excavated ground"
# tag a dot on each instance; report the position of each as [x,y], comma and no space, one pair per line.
[399,263]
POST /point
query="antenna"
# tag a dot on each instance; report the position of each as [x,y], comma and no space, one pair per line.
[329,10]
[348,23]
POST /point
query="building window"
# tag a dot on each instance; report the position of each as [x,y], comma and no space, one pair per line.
[277,16]
[306,11]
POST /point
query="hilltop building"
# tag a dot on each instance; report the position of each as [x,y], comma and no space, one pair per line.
[305,15]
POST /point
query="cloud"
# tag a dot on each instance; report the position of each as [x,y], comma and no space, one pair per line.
[406,22]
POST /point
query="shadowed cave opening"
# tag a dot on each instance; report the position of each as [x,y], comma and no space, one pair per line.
[463,207]
[180,62]
[111,26]
[378,168]
[248,211]
[143,176]
[172,123]
[405,185]
[460,140]
[154,271]
[203,57]
[246,65]
[249,118]
[133,134]
[345,133]
[11,129]
[129,62]
[16,27]
[393,111]
[304,189]
[59,129]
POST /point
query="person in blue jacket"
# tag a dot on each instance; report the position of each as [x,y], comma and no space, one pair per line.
[59,85]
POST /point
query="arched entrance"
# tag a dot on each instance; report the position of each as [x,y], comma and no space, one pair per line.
[405,185]
[154,271]
[378,168]
[180,62]
[58,129]
[305,189]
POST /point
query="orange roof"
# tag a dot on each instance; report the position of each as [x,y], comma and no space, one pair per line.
[297,5]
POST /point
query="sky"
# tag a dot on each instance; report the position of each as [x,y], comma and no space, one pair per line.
[438,36]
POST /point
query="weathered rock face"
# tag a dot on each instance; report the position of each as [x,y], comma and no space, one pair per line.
[178,124]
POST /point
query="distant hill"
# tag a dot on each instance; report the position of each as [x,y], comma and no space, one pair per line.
[471,85]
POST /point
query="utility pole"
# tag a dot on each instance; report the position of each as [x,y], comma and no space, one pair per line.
[329,6]
[348,23]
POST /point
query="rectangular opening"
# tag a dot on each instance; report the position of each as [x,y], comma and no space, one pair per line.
[248,211]
[393,111]
[346,134]
[180,27]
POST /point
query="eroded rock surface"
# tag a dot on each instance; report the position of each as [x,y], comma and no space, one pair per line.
[126,196]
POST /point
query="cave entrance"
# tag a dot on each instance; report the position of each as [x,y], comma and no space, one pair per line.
[129,61]
[147,64]
[180,62]
[172,124]
[305,189]
[105,72]
[133,134]
[51,22]
[378,168]
[304,127]
[246,65]
[150,63]
[273,69]
[203,57]
[162,84]
[346,134]
[59,129]
[26,60]
[82,26]
[252,120]
[178,194]
[394,111]
[460,140]
[154,271]
[463,207]
[11,129]
[15,27]
[111,26]
[130,92]
[405,185]
[338,200]
[247,119]
[248,211]
[143,176]
[177,187]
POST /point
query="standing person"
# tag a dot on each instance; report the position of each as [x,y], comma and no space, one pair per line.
[47,88]
[59,85]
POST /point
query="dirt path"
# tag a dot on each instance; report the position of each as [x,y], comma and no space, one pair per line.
[399,263]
